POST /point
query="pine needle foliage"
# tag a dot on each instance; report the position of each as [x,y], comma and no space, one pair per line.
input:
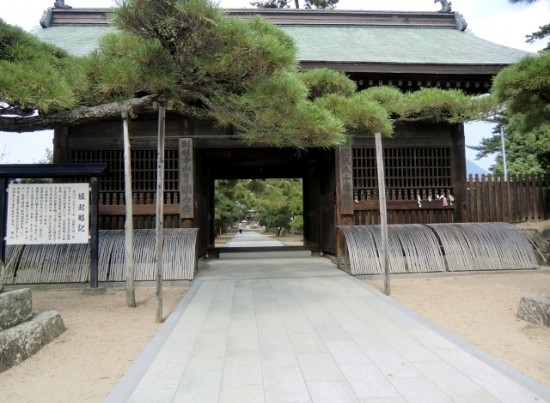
[435,105]
[390,98]
[321,82]
[524,88]
[35,75]
[125,66]
[243,74]
[359,115]
[277,112]
[522,91]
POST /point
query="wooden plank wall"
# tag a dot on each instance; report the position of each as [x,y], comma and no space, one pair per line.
[488,199]
[522,198]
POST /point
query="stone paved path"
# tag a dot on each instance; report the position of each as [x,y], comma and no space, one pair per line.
[251,239]
[300,330]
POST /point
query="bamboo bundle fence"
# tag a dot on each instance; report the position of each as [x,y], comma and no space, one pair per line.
[35,264]
[440,247]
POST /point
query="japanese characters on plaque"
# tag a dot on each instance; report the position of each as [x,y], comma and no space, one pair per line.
[48,213]
[346,180]
[186,173]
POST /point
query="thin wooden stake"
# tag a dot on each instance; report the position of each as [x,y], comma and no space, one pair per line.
[129,212]
[160,210]
[384,250]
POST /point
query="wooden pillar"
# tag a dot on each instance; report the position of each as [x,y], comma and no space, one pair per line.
[61,152]
[3,219]
[459,173]
[211,209]
[94,232]
[344,195]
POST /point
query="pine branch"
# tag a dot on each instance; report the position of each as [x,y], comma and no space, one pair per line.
[134,107]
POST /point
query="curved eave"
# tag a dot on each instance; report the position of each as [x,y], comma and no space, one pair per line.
[398,68]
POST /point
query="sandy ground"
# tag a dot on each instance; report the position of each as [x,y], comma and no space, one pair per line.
[481,309]
[104,336]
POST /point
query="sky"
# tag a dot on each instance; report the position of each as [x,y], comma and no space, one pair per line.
[494,20]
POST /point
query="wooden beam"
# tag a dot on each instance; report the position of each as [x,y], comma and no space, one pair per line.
[361,205]
[138,209]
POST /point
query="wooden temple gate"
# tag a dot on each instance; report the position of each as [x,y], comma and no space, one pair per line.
[423,161]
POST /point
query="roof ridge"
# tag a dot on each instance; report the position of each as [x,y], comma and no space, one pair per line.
[100,16]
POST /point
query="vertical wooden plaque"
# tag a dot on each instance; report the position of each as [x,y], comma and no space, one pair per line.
[186,178]
[345,180]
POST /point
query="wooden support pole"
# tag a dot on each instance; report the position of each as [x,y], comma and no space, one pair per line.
[384,251]
[129,213]
[160,210]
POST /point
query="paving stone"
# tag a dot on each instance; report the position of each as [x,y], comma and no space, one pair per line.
[301,330]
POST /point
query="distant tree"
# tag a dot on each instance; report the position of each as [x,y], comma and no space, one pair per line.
[278,202]
[230,200]
[523,92]
[46,159]
[543,32]
[308,4]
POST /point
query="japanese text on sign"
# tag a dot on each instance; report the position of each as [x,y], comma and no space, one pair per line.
[187,209]
[47,214]
[346,180]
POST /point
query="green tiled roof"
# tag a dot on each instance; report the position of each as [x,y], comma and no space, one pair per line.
[344,44]
[397,45]
[78,40]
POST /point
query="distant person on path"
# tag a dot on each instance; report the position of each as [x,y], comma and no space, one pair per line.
[240,228]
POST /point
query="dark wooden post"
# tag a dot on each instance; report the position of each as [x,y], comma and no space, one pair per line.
[4,219]
[344,195]
[61,146]
[94,232]
[459,173]
[3,228]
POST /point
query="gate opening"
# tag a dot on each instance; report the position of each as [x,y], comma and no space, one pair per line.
[263,212]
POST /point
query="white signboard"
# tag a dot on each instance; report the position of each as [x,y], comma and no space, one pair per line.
[48,213]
